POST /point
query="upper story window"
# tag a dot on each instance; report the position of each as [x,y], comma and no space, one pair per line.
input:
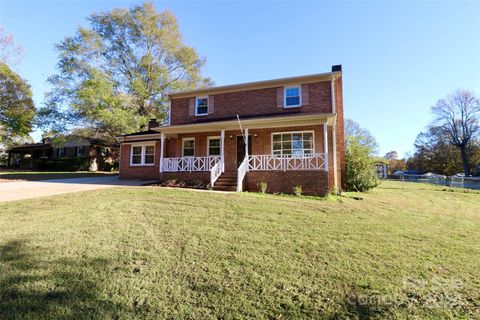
[188,148]
[201,106]
[213,146]
[142,155]
[293,144]
[292,97]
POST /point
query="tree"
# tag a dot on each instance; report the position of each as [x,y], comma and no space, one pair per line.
[394,163]
[10,52]
[458,118]
[434,153]
[364,137]
[16,106]
[360,149]
[116,75]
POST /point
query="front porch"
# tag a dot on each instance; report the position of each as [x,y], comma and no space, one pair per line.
[231,161]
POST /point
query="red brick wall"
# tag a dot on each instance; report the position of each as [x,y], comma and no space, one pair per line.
[186,176]
[340,132]
[138,172]
[313,182]
[253,102]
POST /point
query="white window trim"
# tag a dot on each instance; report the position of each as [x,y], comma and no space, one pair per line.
[208,145]
[142,155]
[183,147]
[299,96]
[196,106]
[291,132]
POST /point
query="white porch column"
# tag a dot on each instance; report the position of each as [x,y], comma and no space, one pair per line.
[162,142]
[246,145]
[325,144]
[222,149]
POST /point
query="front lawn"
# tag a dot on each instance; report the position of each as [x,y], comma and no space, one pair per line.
[148,253]
[13,175]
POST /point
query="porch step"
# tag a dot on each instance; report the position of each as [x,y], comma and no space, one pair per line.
[226,182]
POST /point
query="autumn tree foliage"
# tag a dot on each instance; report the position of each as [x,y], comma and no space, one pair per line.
[115,75]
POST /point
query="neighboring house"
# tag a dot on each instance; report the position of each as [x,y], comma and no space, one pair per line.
[294,128]
[96,151]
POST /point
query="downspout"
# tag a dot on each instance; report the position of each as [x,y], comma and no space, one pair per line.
[334,136]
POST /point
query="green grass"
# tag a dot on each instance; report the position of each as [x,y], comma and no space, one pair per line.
[149,252]
[11,175]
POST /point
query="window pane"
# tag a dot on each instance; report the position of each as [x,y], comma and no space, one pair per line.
[293,101]
[149,159]
[136,159]
[297,145]
[292,92]
[307,144]
[188,143]
[202,102]
[214,142]
[308,136]
[286,137]
[202,106]
[277,137]
[287,145]
[277,146]
[137,150]
[149,150]
[202,110]
[188,152]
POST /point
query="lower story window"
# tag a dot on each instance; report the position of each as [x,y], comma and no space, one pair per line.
[188,147]
[293,144]
[143,155]
[214,146]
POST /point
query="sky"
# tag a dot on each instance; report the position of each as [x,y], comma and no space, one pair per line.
[398,58]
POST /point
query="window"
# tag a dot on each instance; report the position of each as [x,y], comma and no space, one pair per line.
[188,147]
[201,106]
[61,152]
[143,155]
[292,97]
[80,151]
[213,146]
[292,144]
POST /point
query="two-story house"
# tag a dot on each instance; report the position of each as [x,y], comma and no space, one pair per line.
[286,132]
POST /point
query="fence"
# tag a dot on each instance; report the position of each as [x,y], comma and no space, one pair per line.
[453,181]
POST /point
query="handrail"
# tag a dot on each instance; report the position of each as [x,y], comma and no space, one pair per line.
[241,172]
[317,161]
[215,172]
[189,164]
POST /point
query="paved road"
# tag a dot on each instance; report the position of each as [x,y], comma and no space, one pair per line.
[19,190]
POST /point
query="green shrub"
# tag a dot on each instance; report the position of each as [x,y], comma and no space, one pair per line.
[62,164]
[297,190]
[262,186]
[361,172]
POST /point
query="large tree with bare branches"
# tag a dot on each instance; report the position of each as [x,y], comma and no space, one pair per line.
[116,75]
[458,117]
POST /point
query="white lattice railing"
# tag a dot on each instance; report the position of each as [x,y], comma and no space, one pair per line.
[317,161]
[241,172]
[189,164]
[215,172]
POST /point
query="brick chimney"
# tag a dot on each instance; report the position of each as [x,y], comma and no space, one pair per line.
[153,123]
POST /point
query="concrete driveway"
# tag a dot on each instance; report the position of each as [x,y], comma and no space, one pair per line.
[19,190]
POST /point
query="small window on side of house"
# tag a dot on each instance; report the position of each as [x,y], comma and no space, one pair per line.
[213,146]
[188,148]
[201,106]
[137,155]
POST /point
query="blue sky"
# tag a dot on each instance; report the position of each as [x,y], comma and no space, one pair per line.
[398,58]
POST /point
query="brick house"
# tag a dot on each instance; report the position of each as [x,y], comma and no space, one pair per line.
[294,128]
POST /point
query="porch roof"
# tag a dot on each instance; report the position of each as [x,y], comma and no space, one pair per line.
[252,123]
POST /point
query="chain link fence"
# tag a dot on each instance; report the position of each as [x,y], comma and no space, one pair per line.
[453,181]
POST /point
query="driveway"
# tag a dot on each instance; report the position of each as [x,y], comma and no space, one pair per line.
[34,189]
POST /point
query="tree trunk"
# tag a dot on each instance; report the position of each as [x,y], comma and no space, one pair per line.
[465,160]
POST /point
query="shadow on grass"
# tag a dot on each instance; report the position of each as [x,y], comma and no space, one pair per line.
[31,288]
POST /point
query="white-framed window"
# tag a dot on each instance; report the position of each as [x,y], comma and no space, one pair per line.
[213,147]
[188,147]
[293,144]
[293,96]
[142,155]
[201,106]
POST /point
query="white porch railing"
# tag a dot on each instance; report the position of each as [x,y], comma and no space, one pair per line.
[189,164]
[317,161]
[215,172]
[241,172]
